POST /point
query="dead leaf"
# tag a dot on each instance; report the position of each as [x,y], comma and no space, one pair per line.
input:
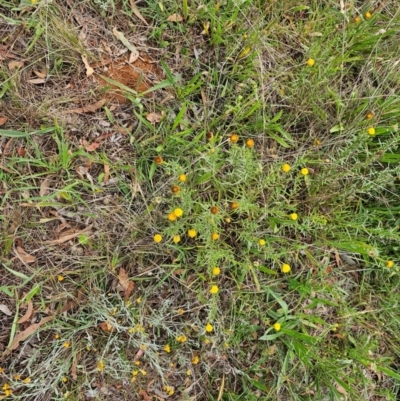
[340,389]
[36,81]
[145,396]
[44,187]
[68,237]
[119,35]
[154,117]
[106,173]
[21,152]
[137,12]
[175,18]
[133,57]
[24,256]
[129,290]
[123,280]
[87,109]
[15,64]
[40,74]
[3,120]
[74,373]
[23,335]
[89,69]
[106,326]
[92,147]
[27,314]
[5,310]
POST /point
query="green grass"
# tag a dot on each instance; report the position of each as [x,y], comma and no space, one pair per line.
[232,67]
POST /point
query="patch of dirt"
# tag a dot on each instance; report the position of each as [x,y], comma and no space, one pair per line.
[139,76]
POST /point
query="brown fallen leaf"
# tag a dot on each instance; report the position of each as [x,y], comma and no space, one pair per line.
[3,120]
[129,290]
[36,81]
[123,280]
[27,314]
[154,117]
[24,256]
[44,187]
[40,74]
[175,18]
[68,237]
[23,335]
[106,326]
[15,64]
[5,310]
[137,12]
[74,366]
[92,147]
[145,396]
[87,109]
[106,173]
[89,69]
[21,152]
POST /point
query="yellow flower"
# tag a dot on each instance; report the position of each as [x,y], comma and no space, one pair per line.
[6,387]
[234,205]
[390,263]
[216,271]
[178,212]
[27,380]
[310,62]
[100,366]
[181,339]
[143,372]
[172,216]
[7,393]
[64,379]
[157,238]
[66,344]
[195,360]
[207,341]
[214,289]
[33,1]
[17,377]
[188,372]
[192,233]
[357,19]
[286,268]
[304,171]
[294,216]
[181,311]
[1,370]
[60,278]
[137,363]
[182,177]
[277,326]
[176,239]
[209,328]
[249,143]
[169,390]
[286,168]
[167,348]
[371,131]
[261,242]
[214,236]
[234,138]
[368,15]
[370,115]
[317,142]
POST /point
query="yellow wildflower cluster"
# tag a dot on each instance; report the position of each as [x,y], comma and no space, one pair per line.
[181,339]
[169,390]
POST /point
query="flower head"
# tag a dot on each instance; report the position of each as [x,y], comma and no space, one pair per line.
[261,242]
[310,62]
[370,115]
[216,271]
[286,168]
[214,236]
[172,216]
[100,366]
[371,131]
[157,238]
[293,216]
[214,210]
[214,289]
[182,177]
[390,264]
[181,339]
[368,15]
[209,328]
[167,348]
[178,212]
[192,233]
[286,268]
[158,160]
[27,380]
[357,19]
[234,205]
[175,189]
[210,135]
[250,143]
[195,360]
[234,138]
[66,344]
[304,171]
[60,277]
[277,326]
[176,239]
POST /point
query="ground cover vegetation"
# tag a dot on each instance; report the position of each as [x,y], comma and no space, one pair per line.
[199,200]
